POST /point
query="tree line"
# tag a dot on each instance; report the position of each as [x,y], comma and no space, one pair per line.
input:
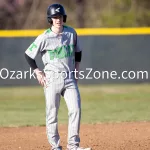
[31,14]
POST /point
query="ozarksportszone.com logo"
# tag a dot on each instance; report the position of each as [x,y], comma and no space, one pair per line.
[88,73]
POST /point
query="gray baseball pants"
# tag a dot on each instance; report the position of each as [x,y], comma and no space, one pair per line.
[66,86]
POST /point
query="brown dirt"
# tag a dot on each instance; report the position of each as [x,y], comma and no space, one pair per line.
[118,136]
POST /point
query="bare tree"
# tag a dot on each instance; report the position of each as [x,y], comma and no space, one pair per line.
[8,11]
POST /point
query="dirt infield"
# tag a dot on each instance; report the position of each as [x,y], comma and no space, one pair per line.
[118,136]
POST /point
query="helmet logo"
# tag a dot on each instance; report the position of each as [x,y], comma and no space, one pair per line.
[57,9]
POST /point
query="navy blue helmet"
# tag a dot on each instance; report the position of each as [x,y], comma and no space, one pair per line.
[55,10]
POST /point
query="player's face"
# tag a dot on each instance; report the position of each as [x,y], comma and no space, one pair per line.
[57,21]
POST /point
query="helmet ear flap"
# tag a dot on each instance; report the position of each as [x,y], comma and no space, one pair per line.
[64,18]
[49,20]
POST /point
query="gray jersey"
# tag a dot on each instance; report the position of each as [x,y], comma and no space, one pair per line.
[57,50]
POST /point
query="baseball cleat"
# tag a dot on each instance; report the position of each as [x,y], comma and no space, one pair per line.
[59,148]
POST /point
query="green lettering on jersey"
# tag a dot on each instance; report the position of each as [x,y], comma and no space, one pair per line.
[61,52]
[33,45]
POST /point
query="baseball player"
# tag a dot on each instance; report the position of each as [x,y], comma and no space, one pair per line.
[61,55]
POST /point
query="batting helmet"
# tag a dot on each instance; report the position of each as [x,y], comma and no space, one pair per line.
[55,10]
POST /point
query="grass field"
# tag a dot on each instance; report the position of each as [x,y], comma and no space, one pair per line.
[25,106]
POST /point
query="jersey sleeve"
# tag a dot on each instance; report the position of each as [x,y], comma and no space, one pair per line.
[33,50]
[77,45]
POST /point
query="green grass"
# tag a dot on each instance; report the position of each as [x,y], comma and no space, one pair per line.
[25,106]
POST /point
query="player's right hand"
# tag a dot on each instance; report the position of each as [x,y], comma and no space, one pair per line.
[40,77]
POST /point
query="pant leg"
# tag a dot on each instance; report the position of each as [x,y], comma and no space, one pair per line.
[72,97]
[52,99]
